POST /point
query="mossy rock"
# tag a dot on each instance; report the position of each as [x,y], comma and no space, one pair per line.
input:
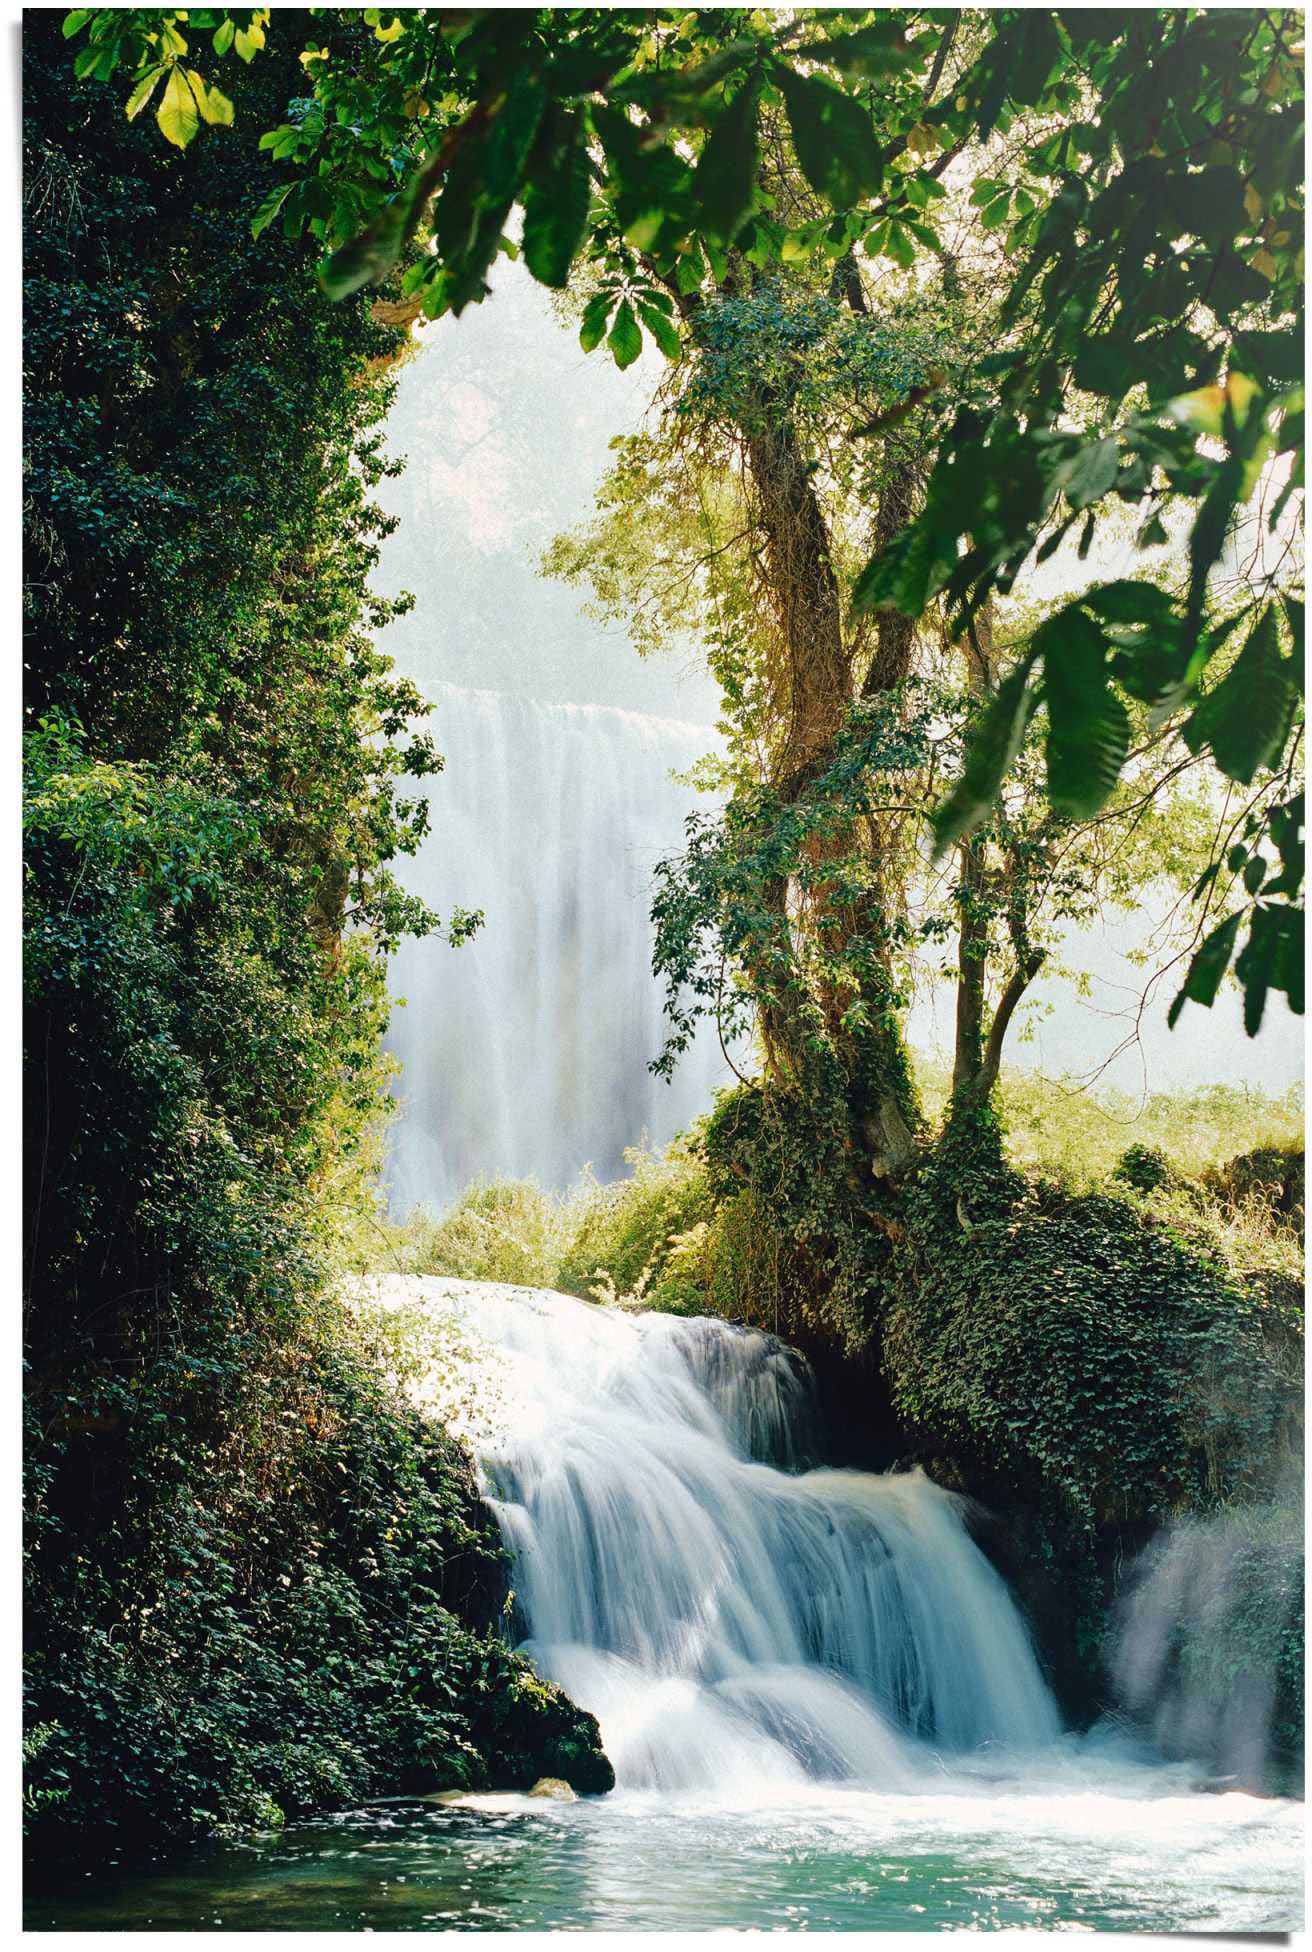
[1270,1175]
[1076,1354]
[529,1729]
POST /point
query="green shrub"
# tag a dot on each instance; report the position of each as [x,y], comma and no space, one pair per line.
[1143,1167]
[254,1582]
[1077,1135]
[1078,1351]
[639,1236]
[498,1230]
[311,1618]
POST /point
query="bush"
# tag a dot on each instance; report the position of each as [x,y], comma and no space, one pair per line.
[1144,1167]
[311,1619]
[498,1230]
[1078,1351]
[642,1237]
[254,1582]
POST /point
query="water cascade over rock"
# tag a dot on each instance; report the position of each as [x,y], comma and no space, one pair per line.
[525,1051]
[738,1623]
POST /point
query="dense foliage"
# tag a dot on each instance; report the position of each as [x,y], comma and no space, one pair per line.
[1144,168]
[254,1582]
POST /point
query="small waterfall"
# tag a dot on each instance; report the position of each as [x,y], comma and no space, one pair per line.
[735,1626]
[525,1052]
[1209,1635]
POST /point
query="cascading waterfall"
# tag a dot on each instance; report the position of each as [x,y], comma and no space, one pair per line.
[737,1623]
[1201,1635]
[525,1051]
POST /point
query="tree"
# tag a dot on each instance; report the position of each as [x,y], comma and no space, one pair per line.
[1156,217]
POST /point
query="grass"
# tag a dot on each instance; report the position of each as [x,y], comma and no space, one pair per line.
[654,1237]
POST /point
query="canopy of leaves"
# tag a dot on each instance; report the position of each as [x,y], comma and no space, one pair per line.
[1153,212]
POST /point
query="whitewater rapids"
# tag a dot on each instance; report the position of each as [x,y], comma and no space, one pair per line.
[738,1623]
[822,1706]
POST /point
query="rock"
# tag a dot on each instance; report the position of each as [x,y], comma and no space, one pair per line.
[554,1789]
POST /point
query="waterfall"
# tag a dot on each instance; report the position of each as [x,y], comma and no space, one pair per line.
[1209,1634]
[736,1626]
[525,1051]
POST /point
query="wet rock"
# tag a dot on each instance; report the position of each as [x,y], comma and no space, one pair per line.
[552,1788]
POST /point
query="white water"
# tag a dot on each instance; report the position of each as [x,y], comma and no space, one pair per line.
[525,1051]
[1209,1590]
[822,1707]
[736,1627]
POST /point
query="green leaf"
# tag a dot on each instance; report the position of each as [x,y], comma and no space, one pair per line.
[178,114]
[76,21]
[991,745]
[595,315]
[1091,474]
[1128,602]
[625,336]
[223,35]
[725,179]
[1246,718]
[369,256]
[141,94]
[1272,958]
[214,105]
[556,203]
[879,49]
[834,138]
[270,207]
[1207,968]
[661,330]
[1088,725]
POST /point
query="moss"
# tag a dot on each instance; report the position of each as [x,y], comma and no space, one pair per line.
[1082,1356]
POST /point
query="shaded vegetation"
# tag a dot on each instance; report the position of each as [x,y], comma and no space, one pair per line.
[254,1583]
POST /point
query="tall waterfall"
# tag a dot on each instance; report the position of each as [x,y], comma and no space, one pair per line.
[525,1052]
[738,1623]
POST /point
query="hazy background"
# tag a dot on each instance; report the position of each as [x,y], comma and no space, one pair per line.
[506,425]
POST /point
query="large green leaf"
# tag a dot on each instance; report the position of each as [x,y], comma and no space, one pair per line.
[1272,958]
[1246,718]
[556,202]
[991,745]
[178,114]
[1207,968]
[878,49]
[1088,725]
[834,138]
[625,336]
[596,312]
[726,172]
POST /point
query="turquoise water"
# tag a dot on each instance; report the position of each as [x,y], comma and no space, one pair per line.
[1088,1839]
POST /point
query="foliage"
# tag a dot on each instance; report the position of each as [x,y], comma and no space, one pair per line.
[254,1582]
[315,1584]
[498,1230]
[1144,169]
[1144,1168]
[636,1237]
[1080,1353]
[1077,1134]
